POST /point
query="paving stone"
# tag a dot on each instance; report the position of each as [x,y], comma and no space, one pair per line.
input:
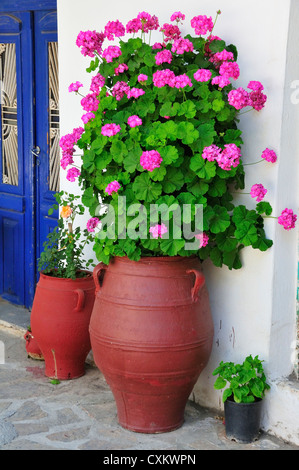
[7,433]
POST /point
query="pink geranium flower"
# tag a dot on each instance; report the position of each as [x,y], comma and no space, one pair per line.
[150,160]
[238,98]
[158,230]
[111,52]
[87,117]
[97,82]
[120,69]
[177,16]
[135,92]
[134,121]
[229,157]
[202,75]
[72,174]
[90,102]
[112,187]
[142,78]
[110,129]
[269,155]
[203,239]
[75,86]
[163,56]
[92,224]
[182,80]
[287,219]
[90,42]
[202,24]
[211,153]
[258,191]
[114,28]
[182,45]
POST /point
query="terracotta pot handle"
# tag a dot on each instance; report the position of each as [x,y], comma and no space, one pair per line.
[96,275]
[81,299]
[199,282]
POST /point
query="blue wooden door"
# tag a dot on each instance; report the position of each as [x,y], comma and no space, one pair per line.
[29,127]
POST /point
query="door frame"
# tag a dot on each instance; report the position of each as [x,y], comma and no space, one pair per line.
[29,137]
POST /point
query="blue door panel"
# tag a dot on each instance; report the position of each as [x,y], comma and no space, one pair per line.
[13,256]
[24,220]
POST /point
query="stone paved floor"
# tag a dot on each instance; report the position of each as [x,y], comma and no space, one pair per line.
[81,414]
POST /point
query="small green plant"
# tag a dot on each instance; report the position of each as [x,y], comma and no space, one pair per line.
[63,250]
[247,381]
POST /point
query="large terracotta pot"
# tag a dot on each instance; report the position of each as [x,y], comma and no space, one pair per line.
[59,321]
[151,334]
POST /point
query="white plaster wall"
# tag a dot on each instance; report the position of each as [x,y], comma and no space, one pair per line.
[253,308]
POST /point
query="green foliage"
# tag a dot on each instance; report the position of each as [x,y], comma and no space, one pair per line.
[179,124]
[245,382]
[63,250]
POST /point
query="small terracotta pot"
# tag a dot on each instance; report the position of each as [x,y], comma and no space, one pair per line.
[59,321]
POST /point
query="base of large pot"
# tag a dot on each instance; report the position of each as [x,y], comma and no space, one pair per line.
[150,413]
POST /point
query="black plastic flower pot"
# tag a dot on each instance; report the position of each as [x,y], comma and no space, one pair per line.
[242,420]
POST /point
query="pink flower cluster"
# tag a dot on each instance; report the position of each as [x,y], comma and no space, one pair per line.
[221,81]
[144,22]
[75,86]
[111,52]
[287,219]
[120,69]
[150,159]
[226,158]
[87,117]
[142,78]
[202,75]
[92,224]
[164,77]
[135,93]
[171,32]
[120,89]
[163,56]
[167,77]
[203,239]
[219,57]
[66,144]
[269,155]
[158,230]
[182,45]
[72,174]
[110,129]
[97,82]
[112,187]
[258,191]
[134,121]
[90,102]
[202,24]
[90,42]
[211,153]
[114,28]
[229,157]
[158,45]
[229,70]
[177,16]
[240,98]
[182,80]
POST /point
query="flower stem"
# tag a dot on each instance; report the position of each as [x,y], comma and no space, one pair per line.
[254,163]
[248,110]
[217,14]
